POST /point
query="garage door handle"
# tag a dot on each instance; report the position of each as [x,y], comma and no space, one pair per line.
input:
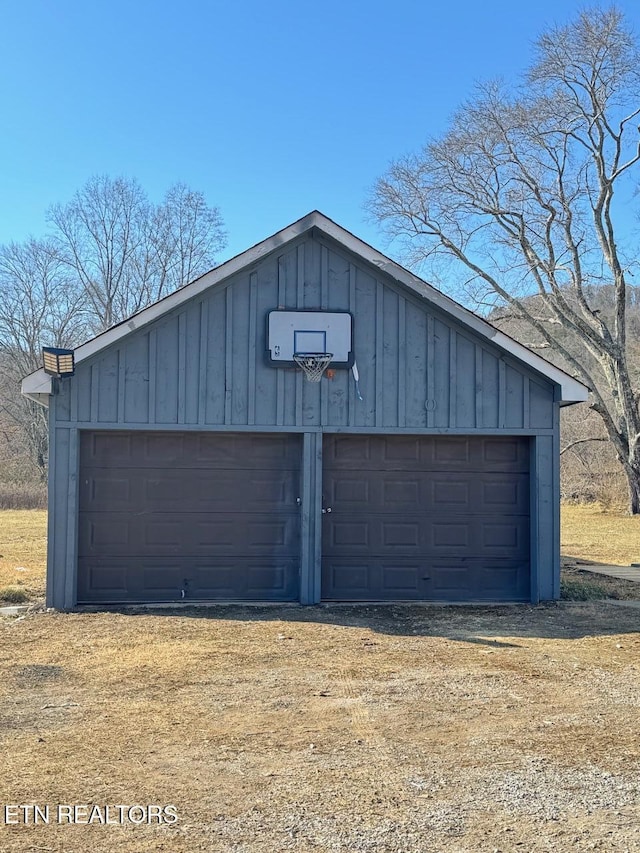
[326,510]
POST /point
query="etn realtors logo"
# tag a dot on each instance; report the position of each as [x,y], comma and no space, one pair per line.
[30,814]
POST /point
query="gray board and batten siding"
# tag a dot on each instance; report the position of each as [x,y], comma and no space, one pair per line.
[200,370]
[204,365]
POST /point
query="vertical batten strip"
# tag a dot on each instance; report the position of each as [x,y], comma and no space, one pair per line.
[300,276]
[228,355]
[502,393]
[202,366]
[534,521]
[379,353]
[251,373]
[351,416]
[324,301]
[282,282]
[182,367]
[279,371]
[153,374]
[431,372]
[555,500]
[95,392]
[74,414]
[317,515]
[453,377]
[402,362]
[71,576]
[478,389]
[52,519]
[306,521]
[324,278]
[299,305]
[59,490]
[526,403]
[121,381]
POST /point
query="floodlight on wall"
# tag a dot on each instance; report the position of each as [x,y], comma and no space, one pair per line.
[58,362]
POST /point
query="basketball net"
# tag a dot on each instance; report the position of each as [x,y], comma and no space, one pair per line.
[313,364]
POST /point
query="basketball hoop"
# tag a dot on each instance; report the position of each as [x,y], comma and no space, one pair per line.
[313,364]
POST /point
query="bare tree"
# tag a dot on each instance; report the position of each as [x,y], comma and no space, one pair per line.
[125,252]
[529,192]
[40,306]
[111,252]
[186,236]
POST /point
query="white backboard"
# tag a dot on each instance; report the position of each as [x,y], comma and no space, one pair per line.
[290,332]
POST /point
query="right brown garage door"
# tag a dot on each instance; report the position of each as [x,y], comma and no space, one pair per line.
[425,518]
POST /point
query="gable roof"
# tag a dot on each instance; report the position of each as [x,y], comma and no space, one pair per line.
[38,386]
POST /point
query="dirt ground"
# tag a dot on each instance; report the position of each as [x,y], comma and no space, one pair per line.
[374,729]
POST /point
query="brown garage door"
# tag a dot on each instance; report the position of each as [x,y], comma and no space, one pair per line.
[426,518]
[173,516]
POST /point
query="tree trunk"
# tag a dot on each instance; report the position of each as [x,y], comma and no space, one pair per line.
[633,480]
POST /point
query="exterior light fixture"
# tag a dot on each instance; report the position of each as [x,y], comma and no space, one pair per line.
[58,362]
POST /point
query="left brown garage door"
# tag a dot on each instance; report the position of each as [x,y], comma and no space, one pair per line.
[188,516]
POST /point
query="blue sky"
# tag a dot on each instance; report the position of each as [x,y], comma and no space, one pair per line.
[270,109]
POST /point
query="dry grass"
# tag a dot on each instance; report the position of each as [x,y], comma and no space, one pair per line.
[327,729]
[579,585]
[590,533]
[23,551]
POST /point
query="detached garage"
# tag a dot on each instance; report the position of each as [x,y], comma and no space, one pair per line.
[308,422]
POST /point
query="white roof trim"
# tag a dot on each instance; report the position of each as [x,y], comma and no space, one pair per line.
[38,384]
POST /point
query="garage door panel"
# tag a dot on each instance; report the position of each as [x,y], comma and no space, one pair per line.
[111,534]
[506,536]
[421,535]
[427,453]
[105,489]
[426,517]
[111,449]
[399,580]
[495,577]
[172,450]
[375,579]
[468,493]
[342,581]
[261,579]
[204,514]
[245,450]
[166,490]
[499,452]
[103,580]
[400,534]
[450,580]
[447,535]
[158,580]
[256,580]
[480,580]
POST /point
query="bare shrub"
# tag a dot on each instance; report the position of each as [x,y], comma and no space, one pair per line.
[23,496]
[13,595]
